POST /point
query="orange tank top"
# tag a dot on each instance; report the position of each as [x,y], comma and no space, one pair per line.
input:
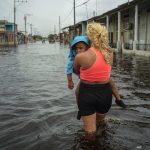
[99,72]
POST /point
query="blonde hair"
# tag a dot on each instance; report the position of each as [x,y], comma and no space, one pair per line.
[98,35]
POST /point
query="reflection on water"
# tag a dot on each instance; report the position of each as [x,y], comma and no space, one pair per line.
[38,112]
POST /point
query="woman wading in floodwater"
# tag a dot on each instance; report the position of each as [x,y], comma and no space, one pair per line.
[95,93]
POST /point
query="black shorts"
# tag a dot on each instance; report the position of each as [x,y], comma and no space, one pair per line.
[94,98]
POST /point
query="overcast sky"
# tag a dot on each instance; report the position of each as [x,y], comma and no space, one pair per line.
[44,14]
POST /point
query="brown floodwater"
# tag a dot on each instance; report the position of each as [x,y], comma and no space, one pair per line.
[38,111]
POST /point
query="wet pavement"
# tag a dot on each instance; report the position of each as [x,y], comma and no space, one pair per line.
[38,112]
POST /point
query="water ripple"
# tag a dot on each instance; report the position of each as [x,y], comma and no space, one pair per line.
[38,112]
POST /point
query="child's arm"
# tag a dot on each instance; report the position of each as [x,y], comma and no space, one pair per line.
[70,81]
[70,70]
[117,95]
[115,90]
[70,62]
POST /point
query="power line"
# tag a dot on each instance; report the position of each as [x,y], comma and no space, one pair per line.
[12,10]
[83,3]
[73,9]
[68,15]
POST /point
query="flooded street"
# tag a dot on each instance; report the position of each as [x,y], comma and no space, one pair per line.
[38,111]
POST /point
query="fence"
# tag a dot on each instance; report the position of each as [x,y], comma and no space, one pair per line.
[128,46]
[145,47]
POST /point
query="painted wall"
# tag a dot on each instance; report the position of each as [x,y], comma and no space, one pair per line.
[10,27]
[128,28]
[144,29]
[115,28]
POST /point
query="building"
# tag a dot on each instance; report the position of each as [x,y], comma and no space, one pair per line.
[128,26]
[2,32]
[7,33]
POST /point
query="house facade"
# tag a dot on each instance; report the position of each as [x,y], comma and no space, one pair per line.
[7,33]
[2,32]
[71,31]
[128,27]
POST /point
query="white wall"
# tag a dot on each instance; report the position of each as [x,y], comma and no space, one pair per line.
[142,27]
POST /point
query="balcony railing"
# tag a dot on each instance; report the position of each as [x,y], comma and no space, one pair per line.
[145,47]
[128,46]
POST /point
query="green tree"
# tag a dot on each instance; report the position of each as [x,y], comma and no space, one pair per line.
[37,37]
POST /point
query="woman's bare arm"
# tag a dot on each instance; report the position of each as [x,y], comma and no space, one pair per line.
[77,63]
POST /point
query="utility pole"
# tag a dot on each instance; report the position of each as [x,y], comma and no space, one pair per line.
[59,30]
[96,7]
[74,6]
[93,13]
[14,22]
[4,31]
[86,10]
[31,32]
[15,18]
[55,33]
[25,24]
[31,29]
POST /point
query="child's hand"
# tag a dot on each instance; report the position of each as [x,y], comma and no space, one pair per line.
[70,84]
[120,103]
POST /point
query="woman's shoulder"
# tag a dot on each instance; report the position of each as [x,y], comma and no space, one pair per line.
[79,56]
